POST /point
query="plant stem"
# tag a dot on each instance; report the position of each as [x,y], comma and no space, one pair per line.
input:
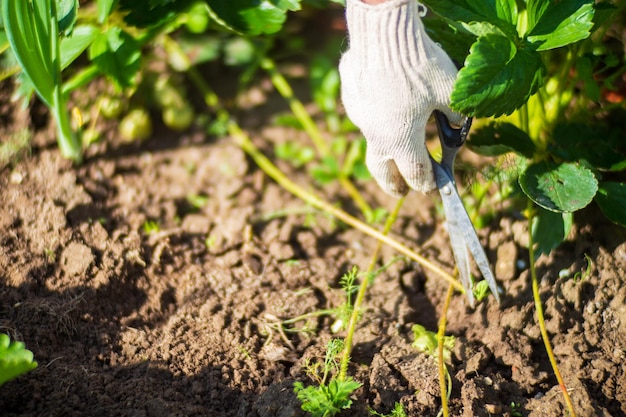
[540,317]
[69,143]
[356,308]
[316,313]
[243,141]
[272,171]
[441,334]
[298,109]
[283,87]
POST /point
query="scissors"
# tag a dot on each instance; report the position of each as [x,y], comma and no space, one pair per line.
[463,238]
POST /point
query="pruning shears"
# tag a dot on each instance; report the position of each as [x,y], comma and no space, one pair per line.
[463,238]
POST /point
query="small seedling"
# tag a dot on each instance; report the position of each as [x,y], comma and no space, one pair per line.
[330,396]
[481,290]
[398,411]
[197,201]
[150,227]
[295,153]
[426,341]
[516,409]
[586,273]
[50,254]
[210,242]
[349,287]
[341,313]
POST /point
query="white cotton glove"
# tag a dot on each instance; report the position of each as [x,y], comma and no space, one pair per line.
[393,77]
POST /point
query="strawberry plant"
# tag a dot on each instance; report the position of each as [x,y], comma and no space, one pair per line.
[537,67]
[526,64]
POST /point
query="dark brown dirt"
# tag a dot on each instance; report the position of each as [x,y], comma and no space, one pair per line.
[180,322]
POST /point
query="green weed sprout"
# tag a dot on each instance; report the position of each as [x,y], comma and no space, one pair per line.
[330,396]
[398,411]
[151,227]
[15,359]
[481,290]
[439,347]
[426,341]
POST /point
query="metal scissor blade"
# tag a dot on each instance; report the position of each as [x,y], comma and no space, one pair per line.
[461,256]
[462,234]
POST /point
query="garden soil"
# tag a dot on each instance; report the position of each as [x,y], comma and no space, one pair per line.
[182,318]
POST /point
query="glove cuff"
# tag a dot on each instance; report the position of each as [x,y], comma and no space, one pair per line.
[389,35]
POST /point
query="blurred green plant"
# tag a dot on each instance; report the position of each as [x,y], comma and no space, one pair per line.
[34,30]
[47,36]
[15,359]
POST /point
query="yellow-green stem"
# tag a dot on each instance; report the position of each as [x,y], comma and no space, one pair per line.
[297,108]
[313,314]
[273,172]
[69,143]
[283,87]
[540,317]
[243,141]
[441,334]
[356,308]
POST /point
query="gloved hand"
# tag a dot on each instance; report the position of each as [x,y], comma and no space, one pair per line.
[393,77]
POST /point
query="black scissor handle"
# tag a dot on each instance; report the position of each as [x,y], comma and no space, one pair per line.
[451,137]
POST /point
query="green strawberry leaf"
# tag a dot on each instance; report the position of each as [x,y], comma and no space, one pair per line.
[15,360]
[455,41]
[147,13]
[498,77]
[117,55]
[479,17]
[77,43]
[104,9]
[558,23]
[562,187]
[549,229]
[252,17]
[611,199]
[600,146]
[500,138]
